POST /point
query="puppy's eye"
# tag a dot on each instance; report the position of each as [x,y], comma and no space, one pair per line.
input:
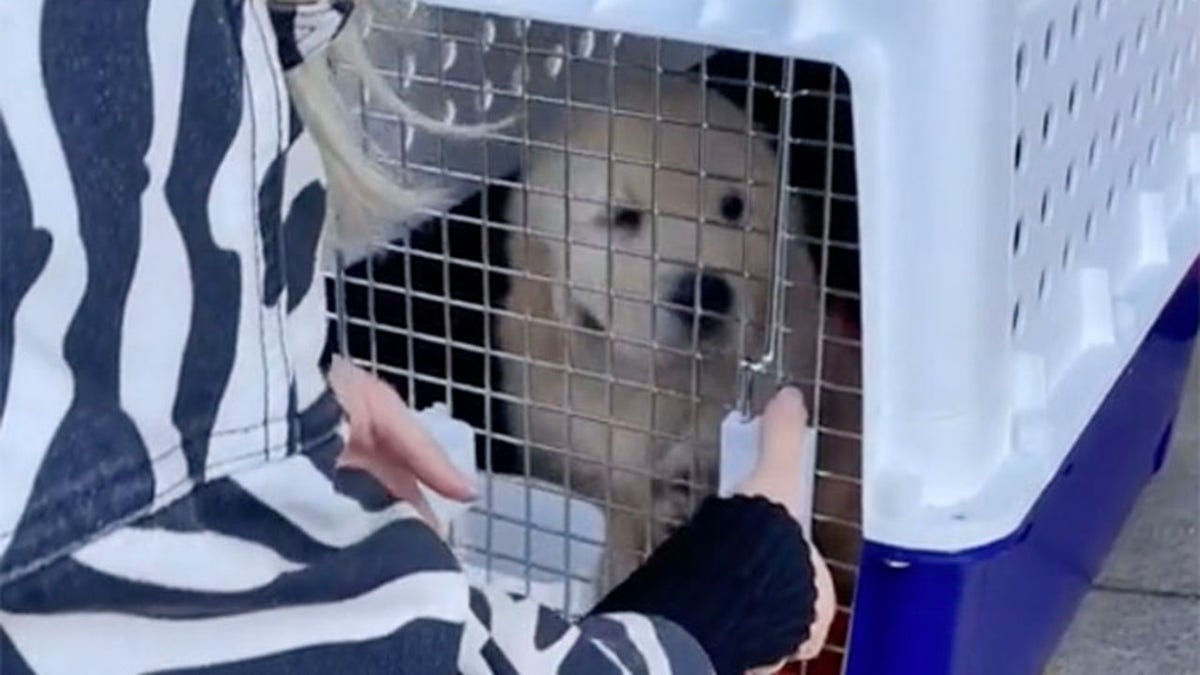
[732,207]
[627,219]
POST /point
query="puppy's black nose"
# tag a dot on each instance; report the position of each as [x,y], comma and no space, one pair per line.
[716,298]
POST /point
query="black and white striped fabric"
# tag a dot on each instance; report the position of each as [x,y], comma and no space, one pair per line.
[168,497]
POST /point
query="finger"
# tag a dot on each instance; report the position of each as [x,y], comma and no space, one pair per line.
[379,417]
[410,493]
[784,423]
[389,473]
[395,478]
[400,436]
[343,375]
[777,471]
[345,379]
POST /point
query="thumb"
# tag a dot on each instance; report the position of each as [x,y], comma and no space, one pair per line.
[780,458]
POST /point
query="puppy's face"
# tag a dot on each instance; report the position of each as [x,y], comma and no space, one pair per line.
[656,233]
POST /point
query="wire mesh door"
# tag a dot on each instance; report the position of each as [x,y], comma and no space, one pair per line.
[653,216]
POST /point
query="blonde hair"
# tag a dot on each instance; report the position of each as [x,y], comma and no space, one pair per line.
[368,204]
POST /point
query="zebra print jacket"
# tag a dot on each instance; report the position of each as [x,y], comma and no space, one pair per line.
[168,497]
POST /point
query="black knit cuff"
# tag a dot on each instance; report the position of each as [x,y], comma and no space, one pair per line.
[737,577]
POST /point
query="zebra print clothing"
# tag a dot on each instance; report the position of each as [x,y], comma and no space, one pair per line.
[168,496]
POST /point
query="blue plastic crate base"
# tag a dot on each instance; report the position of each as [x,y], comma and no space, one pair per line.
[1001,609]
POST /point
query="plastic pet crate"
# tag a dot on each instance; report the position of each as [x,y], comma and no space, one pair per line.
[1003,203]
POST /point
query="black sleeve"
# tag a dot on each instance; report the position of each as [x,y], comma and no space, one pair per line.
[737,577]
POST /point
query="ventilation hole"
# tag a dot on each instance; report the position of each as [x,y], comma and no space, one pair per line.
[1067,252]
[553,64]
[520,76]
[587,44]
[1043,285]
[1160,16]
[1020,66]
[1094,152]
[487,95]
[1141,36]
[1076,20]
[408,70]
[1089,224]
[449,54]
[1098,78]
[1018,320]
[1018,232]
[1115,129]
[1175,65]
[1050,42]
[1156,87]
[1171,128]
[1019,152]
[1045,208]
[1131,175]
[487,35]
[1048,124]
[1110,202]
[1073,100]
[1135,108]
[1119,58]
[1152,153]
[1069,181]
[1101,8]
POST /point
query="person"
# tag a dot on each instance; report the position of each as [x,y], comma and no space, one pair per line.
[182,487]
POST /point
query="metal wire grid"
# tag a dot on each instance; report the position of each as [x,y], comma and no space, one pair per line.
[455,38]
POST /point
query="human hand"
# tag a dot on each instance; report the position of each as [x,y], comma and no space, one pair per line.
[387,441]
[774,477]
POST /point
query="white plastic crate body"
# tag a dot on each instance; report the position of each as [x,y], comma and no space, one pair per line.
[971,402]
[957,380]
[1107,199]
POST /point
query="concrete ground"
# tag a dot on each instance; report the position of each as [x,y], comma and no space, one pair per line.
[1143,615]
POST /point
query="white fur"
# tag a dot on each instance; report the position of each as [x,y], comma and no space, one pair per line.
[641,400]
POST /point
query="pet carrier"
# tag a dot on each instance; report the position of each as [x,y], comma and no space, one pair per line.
[970,229]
